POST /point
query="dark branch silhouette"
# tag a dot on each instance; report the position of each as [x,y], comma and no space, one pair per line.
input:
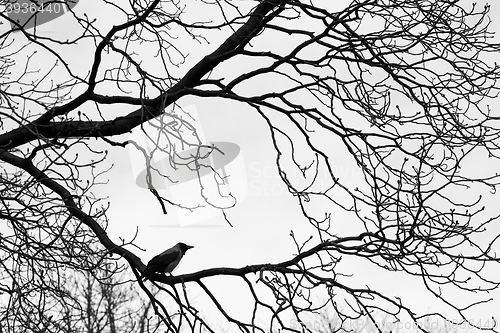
[401,89]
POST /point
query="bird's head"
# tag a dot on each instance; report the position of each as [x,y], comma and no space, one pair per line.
[183,247]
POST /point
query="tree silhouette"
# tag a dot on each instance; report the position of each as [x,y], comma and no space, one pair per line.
[400,88]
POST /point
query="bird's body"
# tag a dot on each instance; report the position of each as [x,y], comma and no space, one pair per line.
[166,261]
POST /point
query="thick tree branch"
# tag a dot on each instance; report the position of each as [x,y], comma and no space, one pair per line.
[155,107]
[72,207]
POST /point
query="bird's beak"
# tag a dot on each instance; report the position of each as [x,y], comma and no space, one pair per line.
[189,247]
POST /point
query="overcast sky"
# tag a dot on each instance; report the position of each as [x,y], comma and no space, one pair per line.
[263,217]
[265,212]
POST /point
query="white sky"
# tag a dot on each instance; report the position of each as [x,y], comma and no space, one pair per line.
[264,215]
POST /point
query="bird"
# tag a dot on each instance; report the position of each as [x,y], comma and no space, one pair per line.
[166,261]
